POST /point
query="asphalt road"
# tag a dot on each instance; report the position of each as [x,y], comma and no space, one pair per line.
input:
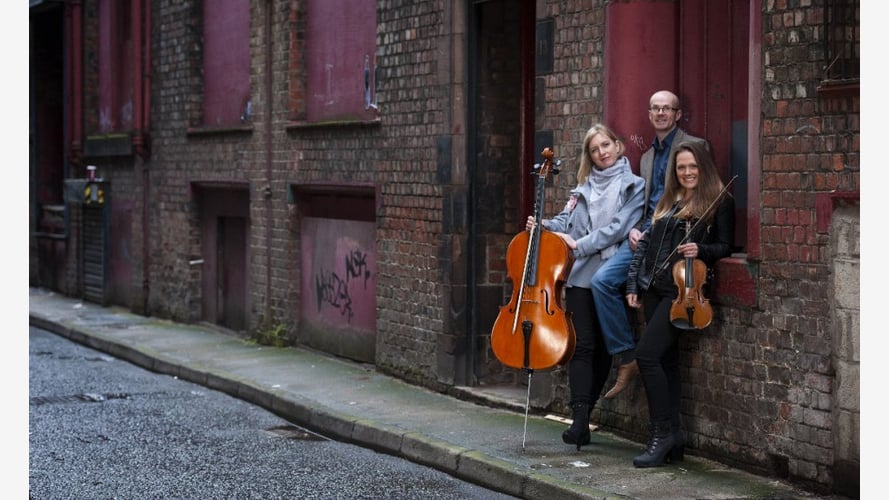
[100,427]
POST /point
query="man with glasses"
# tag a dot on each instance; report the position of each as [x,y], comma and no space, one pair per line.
[664,113]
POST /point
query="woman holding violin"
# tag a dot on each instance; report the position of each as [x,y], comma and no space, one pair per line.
[693,222]
[596,219]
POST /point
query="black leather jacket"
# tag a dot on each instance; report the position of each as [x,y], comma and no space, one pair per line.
[714,241]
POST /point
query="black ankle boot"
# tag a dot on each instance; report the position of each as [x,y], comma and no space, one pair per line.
[677,454]
[579,432]
[660,444]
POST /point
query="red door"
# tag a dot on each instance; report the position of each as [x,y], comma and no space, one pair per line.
[698,49]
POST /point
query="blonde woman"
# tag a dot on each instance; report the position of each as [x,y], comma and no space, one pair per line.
[596,219]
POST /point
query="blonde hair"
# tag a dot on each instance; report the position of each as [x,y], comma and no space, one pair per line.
[586,161]
[707,191]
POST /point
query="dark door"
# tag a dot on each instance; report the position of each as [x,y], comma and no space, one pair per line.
[500,136]
[232,257]
[224,232]
[715,44]
[47,160]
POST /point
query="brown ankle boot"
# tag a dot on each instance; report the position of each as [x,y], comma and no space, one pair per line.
[625,374]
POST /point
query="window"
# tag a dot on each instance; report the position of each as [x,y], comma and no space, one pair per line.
[226,62]
[340,60]
[842,35]
[115,67]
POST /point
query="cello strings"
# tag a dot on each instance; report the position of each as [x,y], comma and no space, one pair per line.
[521,294]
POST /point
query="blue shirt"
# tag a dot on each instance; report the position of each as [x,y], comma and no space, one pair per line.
[659,176]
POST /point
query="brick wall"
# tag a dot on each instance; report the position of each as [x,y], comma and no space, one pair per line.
[810,146]
[177,159]
[415,112]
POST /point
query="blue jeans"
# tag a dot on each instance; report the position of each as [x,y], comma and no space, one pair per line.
[610,302]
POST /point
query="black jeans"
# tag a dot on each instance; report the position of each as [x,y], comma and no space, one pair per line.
[590,365]
[657,354]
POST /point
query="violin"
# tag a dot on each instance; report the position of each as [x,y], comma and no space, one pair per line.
[533,331]
[691,310]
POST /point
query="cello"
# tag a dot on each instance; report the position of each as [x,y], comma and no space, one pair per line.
[533,331]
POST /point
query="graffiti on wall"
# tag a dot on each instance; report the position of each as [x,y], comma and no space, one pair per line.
[332,289]
[338,263]
[638,141]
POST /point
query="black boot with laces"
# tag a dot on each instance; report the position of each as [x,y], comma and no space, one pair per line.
[660,444]
[579,432]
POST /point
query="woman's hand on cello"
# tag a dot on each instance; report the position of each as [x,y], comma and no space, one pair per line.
[572,244]
[530,223]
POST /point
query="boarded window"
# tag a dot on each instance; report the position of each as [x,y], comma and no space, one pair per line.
[226,62]
[115,67]
[340,46]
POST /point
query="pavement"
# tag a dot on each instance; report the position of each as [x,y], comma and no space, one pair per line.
[479,437]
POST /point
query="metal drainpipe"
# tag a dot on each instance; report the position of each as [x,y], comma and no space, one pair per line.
[145,103]
[471,170]
[138,42]
[74,109]
[268,158]
[142,104]
[77,80]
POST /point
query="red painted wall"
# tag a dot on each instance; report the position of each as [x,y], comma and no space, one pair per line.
[341,33]
[640,59]
[339,285]
[226,61]
[115,67]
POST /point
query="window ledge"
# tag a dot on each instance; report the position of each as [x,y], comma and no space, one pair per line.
[839,88]
[735,283]
[826,203]
[221,130]
[107,145]
[306,125]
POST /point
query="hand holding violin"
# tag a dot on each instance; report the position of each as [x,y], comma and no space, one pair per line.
[688,250]
[691,310]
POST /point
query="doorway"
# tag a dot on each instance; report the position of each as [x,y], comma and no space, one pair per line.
[49,222]
[224,234]
[500,131]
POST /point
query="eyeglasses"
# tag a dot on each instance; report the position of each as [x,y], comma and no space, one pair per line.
[662,109]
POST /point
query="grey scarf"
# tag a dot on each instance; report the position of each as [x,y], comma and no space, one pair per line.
[605,199]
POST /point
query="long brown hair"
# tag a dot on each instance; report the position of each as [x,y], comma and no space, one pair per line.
[705,193]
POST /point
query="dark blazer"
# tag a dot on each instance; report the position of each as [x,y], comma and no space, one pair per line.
[646,167]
